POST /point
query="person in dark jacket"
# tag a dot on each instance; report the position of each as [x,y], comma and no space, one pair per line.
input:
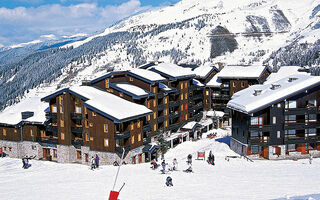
[163,164]
[169,181]
[189,161]
[97,161]
[212,159]
[25,161]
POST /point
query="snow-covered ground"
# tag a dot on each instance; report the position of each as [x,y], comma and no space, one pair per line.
[236,179]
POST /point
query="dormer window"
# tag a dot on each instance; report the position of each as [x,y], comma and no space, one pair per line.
[257,92]
[275,86]
[291,79]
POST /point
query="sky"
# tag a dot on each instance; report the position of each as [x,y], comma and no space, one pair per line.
[28,20]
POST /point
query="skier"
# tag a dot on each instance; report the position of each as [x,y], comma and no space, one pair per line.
[189,170]
[163,164]
[25,161]
[175,164]
[1,152]
[169,181]
[154,165]
[212,159]
[189,161]
[310,159]
[93,163]
[97,161]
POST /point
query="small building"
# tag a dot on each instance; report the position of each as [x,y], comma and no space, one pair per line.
[277,120]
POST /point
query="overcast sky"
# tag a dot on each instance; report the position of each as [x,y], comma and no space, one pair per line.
[28,20]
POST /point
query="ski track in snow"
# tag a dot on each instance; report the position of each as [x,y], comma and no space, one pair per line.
[236,179]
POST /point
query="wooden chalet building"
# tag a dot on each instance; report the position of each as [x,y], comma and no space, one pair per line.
[230,80]
[277,120]
[85,121]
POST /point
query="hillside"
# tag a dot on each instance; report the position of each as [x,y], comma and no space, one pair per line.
[191,31]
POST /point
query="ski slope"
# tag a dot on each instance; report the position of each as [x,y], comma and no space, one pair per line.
[236,179]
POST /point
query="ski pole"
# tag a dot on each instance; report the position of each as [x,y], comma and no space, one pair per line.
[121,187]
[118,170]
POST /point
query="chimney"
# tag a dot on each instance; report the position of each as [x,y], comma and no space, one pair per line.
[257,92]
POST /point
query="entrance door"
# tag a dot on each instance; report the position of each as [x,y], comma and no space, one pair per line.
[140,158]
[46,153]
[265,152]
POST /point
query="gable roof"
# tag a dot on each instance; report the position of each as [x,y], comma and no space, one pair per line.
[248,103]
[131,90]
[214,81]
[204,71]
[146,75]
[241,72]
[108,75]
[106,104]
[172,71]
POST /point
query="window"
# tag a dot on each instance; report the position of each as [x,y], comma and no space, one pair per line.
[310,117]
[132,139]
[130,79]
[311,103]
[186,96]
[254,149]
[107,83]
[138,124]
[166,100]
[61,109]
[62,136]
[310,132]
[165,112]
[94,114]
[31,132]
[148,104]
[85,110]
[60,100]
[139,137]
[86,123]
[154,115]
[79,156]
[148,117]
[233,84]
[106,142]
[166,123]
[185,85]
[87,137]
[181,86]
[154,89]
[10,148]
[15,131]
[291,147]
[78,109]
[290,118]
[106,128]
[154,127]
[290,104]
[131,126]
[154,103]
[4,132]
[290,133]
[186,117]
[54,109]
[181,97]
[42,133]
[121,94]
[256,121]
[182,118]
[274,120]
[181,107]
[255,134]
[278,134]
[91,138]
[55,154]
[207,92]
[242,84]
[61,123]
[186,106]
[279,105]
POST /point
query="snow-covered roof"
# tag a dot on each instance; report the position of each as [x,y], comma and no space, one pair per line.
[283,72]
[204,71]
[190,125]
[166,88]
[146,75]
[249,72]
[131,90]
[12,114]
[214,82]
[206,122]
[198,83]
[248,102]
[172,71]
[214,113]
[107,104]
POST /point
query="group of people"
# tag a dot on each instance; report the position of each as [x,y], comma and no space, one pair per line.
[211,158]
[94,162]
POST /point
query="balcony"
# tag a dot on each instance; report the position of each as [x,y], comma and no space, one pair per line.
[301,111]
[146,128]
[174,115]
[76,130]
[160,119]
[76,116]
[122,135]
[50,116]
[47,140]
[160,95]
[160,107]
[174,104]
[260,141]
[53,129]
[77,143]
[198,96]
[295,140]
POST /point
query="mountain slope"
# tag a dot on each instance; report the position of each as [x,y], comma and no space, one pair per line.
[182,33]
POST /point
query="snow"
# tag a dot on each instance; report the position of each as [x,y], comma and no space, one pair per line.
[241,72]
[132,89]
[247,102]
[283,72]
[189,125]
[236,179]
[12,114]
[25,44]
[173,70]
[110,104]
[147,74]
[206,122]
[196,82]
[214,82]
[203,71]
[214,113]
